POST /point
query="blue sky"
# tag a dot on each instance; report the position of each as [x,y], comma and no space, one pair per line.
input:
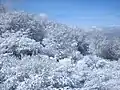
[84,13]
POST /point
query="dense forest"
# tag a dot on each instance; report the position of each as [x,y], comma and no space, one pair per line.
[40,54]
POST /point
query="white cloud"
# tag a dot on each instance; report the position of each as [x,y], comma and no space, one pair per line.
[43,16]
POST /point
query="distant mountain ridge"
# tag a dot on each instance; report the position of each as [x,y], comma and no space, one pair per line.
[113,31]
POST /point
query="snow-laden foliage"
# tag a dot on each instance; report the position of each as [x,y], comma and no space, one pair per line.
[64,40]
[38,54]
[111,49]
[102,46]
[20,21]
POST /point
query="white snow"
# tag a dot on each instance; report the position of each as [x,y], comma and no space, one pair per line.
[37,54]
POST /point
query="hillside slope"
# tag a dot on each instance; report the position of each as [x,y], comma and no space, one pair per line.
[38,54]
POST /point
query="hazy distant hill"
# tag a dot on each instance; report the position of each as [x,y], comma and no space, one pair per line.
[112,31]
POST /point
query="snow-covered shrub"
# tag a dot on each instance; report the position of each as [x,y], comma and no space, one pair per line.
[65,76]
[83,48]
[16,72]
[98,73]
[96,40]
[101,46]
[63,40]
[21,21]
[76,56]
[18,45]
[111,50]
[2,77]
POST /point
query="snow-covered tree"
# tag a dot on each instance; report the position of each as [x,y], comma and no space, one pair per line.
[38,54]
[111,50]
